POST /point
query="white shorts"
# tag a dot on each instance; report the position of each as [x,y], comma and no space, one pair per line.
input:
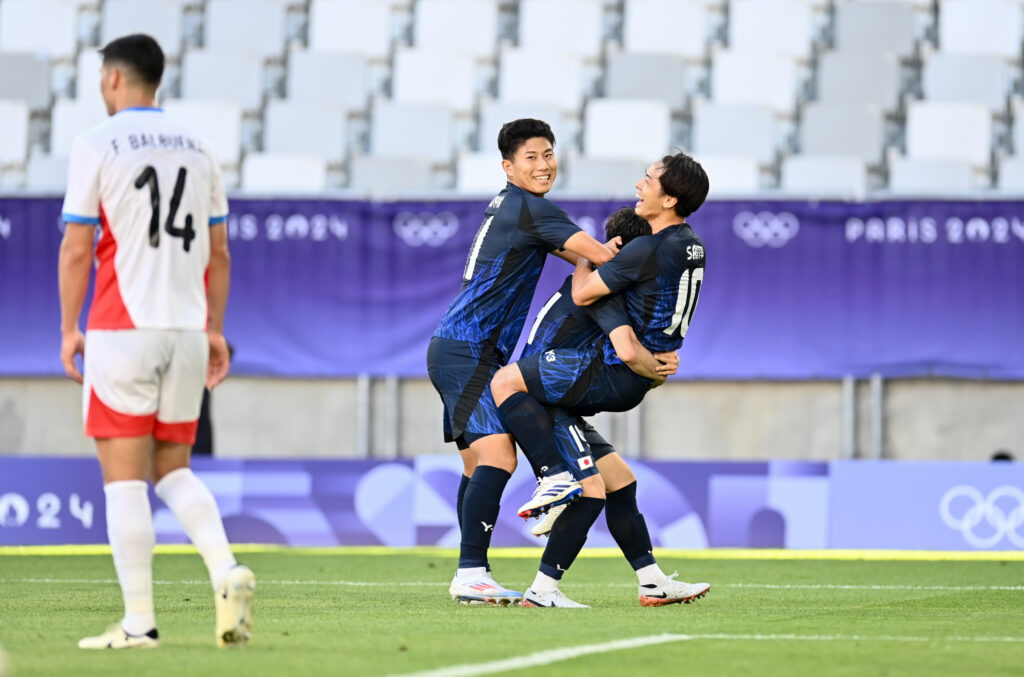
[144,382]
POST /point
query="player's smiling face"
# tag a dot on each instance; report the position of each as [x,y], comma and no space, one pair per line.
[649,196]
[533,167]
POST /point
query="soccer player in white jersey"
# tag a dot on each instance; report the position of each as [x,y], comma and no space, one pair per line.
[154,332]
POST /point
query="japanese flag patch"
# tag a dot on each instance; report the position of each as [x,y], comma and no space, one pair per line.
[585,462]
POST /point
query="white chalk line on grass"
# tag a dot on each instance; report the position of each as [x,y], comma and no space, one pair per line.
[542,658]
[437,584]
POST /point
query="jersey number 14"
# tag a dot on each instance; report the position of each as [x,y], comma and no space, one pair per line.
[187,234]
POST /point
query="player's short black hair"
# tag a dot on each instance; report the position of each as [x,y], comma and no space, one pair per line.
[627,224]
[140,53]
[514,134]
[684,179]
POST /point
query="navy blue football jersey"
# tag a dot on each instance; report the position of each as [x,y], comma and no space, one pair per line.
[660,276]
[562,324]
[504,264]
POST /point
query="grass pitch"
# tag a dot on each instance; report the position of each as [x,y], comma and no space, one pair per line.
[360,612]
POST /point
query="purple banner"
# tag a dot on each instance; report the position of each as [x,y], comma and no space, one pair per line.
[805,505]
[325,288]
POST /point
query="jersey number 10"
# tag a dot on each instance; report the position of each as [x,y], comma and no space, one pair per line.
[187,234]
[686,301]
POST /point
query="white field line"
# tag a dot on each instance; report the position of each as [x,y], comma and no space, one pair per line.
[437,584]
[542,658]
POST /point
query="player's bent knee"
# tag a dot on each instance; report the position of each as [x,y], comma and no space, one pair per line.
[593,487]
[506,382]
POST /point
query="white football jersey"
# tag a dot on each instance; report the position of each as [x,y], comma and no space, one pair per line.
[155,190]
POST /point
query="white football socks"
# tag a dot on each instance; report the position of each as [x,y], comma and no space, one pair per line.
[131,536]
[544,583]
[194,506]
[650,575]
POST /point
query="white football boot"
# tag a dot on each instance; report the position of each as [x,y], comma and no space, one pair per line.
[672,591]
[115,637]
[234,600]
[551,491]
[543,528]
[482,589]
[555,599]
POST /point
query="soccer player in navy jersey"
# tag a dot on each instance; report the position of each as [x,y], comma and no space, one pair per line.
[659,277]
[480,329]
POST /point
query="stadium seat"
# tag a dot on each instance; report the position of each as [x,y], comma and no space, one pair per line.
[730,174]
[87,75]
[494,114]
[602,177]
[71,118]
[753,78]
[566,27]
[929,138]
[47,173]
[203,77]
[246,26]
[218,123]
[26,77]
[969,78]
[832,176]
[391,175]
[283,173]
[14,140]
[480,173]
[1011,175]
[856,77]
[647,76]
[43,27]
[772,27]
[627,129]
[315,129]
[720,129]
[521,80]
[928,178]
[336,79]
[412,130]
[862,131]
[666,27]
[434,77]
[162,19]
[992,27]
[352,26]
[441,25]
[877,28]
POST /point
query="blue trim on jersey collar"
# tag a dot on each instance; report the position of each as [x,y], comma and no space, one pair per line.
[153,109]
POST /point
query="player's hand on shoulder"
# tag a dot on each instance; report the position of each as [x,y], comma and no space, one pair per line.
[668,363]
[220,359]
[72,343]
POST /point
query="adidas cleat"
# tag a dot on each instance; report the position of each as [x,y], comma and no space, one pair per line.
[482,589]
[116,637]
[234,600]
[543,528]
[672,591]
[551,491]
[555,599]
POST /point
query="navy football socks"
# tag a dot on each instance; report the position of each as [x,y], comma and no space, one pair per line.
[568,536]
[463,483]
[628,527]
[480,513]
[530,423]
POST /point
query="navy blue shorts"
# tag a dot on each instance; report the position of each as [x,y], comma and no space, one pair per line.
[461,373]
[579,381]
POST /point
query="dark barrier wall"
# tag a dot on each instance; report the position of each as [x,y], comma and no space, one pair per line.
[793,290]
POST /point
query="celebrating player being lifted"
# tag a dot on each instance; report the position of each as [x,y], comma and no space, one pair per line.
[659,278]
[154,331]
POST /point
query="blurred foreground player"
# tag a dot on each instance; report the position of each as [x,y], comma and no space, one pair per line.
[480,329]
[154,332]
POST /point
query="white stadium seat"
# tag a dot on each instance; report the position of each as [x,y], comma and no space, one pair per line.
[203,77]
[351,26]
[429,76]
[283,173]
[26,77]
[857,77]
[666,27]
[162,19]
[248,26]
[337,79]
[46,27]
[735,130]
[441,25]
[523,78]
[992,27]
[969,78]
[779,27]
[308,128]
[412,130]
[730,174]
[877,27]
[862,131]
[832,176]
[603,177]
[87,76]
[218,123]
[647,76]
[47,172]
[71,118]
[391,175]
[929,138]
[480,173]
[564,27]
[621,129]
[753,78]
[494,114]
[14,139]
[927,178]
[1011,175]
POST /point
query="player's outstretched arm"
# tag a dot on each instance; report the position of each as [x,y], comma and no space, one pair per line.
[587,285]
[635,355]
[217,301]
[583,245]
[73,269]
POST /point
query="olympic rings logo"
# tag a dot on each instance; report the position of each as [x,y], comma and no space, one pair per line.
[997,510]
[424,228]
[765,228]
